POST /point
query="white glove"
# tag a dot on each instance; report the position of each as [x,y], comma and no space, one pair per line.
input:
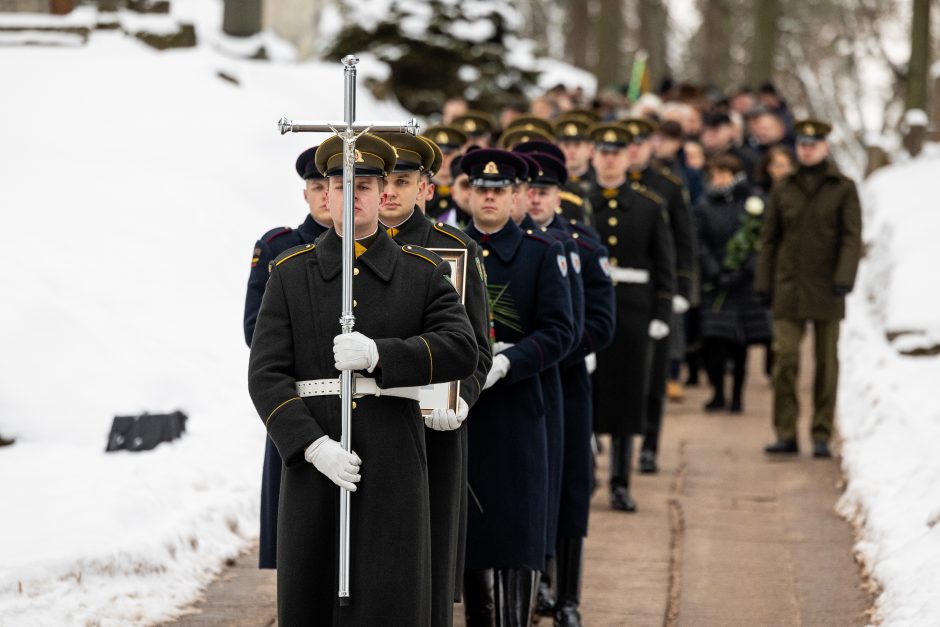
[497,371]
[354,351]
[446,419]
[591,362]
[499,347]
[340,467]
[679,305]
[658,329]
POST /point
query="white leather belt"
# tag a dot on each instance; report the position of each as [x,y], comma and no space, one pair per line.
[362,386]
[630,275]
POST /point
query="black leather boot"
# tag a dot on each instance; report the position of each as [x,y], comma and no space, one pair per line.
[478,602]
[545,599]
[621,454]
[515,592]
[782,447]
[568,582]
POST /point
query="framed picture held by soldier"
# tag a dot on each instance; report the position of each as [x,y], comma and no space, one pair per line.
[445,395]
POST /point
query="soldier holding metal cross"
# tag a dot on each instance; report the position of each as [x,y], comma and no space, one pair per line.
[411,330]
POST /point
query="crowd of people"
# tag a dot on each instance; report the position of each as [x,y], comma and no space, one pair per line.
[605,245]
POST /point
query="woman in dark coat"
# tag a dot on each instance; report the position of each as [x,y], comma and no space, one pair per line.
[728,219]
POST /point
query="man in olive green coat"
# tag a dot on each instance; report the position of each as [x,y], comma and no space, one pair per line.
[810,247]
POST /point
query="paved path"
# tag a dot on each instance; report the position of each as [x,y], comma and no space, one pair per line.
[724,536]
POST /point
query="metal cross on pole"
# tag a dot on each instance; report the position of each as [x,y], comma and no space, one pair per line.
[349,131]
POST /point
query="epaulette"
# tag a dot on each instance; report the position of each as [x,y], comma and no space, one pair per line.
[431,257]
[454,232]
[645,191]
[537,237]
[571,197]
[290,253]
[672,178]
[275,233]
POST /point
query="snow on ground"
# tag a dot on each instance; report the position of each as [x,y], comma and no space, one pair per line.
[134,186]
[889,408]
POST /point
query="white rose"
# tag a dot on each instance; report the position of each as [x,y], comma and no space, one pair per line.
[754,206]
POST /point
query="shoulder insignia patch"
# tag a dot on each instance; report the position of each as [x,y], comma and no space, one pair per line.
[454,232]
[575,261]
[671,177]
[256,257]
[431,257]
[605,266]
[563,265]
[275,233]
[480,269]
[290,253]
[537,237]
[573,198]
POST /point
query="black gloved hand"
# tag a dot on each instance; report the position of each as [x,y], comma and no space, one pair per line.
[840,291]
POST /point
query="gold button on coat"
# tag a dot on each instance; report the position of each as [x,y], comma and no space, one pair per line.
[486,253]
[354,405]
[612,220]
[356,271]
[612,240]
[612,203]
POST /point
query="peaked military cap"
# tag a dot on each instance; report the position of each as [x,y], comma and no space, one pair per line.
[446,136]
[475,123]
[584,114]
[531,122]
[438,156]
[413,153]
[517,135]
[610,136]
[640,128]
[551,170]
[374,156]
[532,167]
[539,146]
[811,130]
[305,165]
[573,128]
[493,168]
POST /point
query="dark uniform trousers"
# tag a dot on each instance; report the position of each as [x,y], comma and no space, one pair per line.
[447,450]
[271,244]
[788,335]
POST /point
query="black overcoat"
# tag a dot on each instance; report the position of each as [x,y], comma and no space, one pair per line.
[403,299]
[577,473]
[447,450]
[632,222]
[730,313]
[508,462]
[271,244]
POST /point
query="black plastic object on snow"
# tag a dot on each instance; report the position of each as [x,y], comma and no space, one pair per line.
[145,432]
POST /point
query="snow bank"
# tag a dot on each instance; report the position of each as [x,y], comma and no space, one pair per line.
[889,410]
[134,186]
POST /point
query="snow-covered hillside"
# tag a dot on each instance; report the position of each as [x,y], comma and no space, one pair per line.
[889,407]
[134,184]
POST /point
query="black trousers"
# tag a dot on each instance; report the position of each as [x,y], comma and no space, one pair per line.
[717,355]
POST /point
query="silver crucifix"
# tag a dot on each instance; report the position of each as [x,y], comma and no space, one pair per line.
[349,131]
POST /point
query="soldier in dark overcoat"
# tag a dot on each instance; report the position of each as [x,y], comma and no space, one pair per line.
[632,223]
[531,310]
[811,245]
[672,190]
[411,330]
[272,244]
[446,435]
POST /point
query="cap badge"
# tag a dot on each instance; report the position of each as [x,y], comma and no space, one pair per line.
[359,157]
[634,129]
[441,137]
[490,168]
[610,135]
[809,130]
[470,126]
[571,129]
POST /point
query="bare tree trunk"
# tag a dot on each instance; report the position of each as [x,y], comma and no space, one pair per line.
[653,32]
[764,42]
[920,56]
[610,64]
[241,18]
[715,38]
[579,33]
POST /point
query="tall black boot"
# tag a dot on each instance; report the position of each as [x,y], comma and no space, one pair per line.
[515,596]
[568,582]
[545,599]
[739,356]
[478,602]
[621,455]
